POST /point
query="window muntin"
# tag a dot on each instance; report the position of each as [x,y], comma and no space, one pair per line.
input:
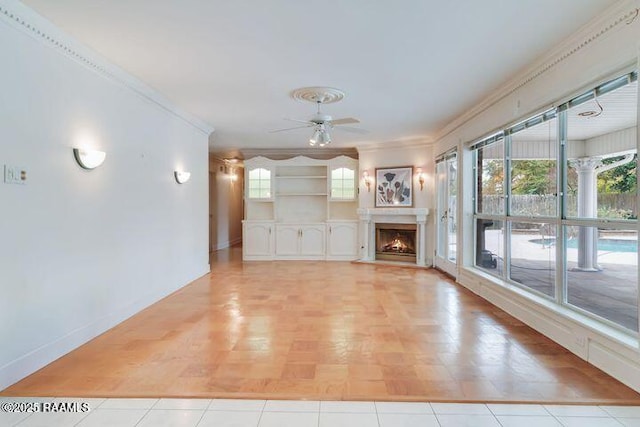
[259,183]
[343,184]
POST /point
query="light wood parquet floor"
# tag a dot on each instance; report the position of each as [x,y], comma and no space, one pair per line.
[324,331]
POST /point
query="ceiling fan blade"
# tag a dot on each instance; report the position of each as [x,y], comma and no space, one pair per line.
[300,121]
[345,121]
[352,130]
[297,127]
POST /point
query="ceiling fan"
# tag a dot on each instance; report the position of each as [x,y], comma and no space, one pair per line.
[321,123]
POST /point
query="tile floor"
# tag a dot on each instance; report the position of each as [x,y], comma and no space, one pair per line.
[282,413]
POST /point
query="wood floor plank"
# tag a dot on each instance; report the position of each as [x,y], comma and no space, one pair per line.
[324,330]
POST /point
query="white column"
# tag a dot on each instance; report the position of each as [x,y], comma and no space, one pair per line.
[586,167]
[366,239]
[371,240]
[421,256]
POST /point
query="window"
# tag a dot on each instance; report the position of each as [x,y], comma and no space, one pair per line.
[343,184]
[259,184]
[490,178]
[602,278]
[533,167]
[600,225]
[532,256]
[490,246]
[556,203]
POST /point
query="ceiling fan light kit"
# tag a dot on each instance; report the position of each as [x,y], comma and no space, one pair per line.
[321,123]
[320,137]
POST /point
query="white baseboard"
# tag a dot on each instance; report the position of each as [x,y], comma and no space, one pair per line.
[27,364]
[227,244]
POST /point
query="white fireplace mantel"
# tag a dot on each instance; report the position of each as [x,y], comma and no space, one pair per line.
[370,216]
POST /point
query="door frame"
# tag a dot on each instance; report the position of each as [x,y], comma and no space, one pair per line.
[444,213]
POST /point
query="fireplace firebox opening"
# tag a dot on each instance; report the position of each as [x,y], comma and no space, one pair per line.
[396,242]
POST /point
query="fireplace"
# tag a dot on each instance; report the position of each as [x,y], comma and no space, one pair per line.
[396,242]
[371,219]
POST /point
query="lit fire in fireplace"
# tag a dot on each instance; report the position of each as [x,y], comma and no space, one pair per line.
[396,242]
[396,245]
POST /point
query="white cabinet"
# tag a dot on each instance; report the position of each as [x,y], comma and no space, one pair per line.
[257,240]
[342,240]
[300,241]
[287,240]
[291,204]
[312,240]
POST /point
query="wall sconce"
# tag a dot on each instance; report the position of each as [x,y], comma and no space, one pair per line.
[420,176]
[89,159]
[182,176]
[230,168]
[233,176]
[367,180]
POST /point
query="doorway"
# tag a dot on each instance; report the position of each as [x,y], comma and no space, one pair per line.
[446,220]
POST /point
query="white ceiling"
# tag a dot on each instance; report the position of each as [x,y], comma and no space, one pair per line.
[408,67]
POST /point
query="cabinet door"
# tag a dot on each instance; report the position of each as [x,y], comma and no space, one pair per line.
[343,240]
[257,240]
[287,240]
[312,239]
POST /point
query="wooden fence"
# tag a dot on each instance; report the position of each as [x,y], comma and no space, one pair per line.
[609,205]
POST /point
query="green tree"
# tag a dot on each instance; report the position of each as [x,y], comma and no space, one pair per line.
[492,177]
[533,176]
[618,180]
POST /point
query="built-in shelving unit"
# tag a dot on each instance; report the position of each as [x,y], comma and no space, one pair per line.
[292,202]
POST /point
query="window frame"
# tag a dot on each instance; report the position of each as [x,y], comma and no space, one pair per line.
[560,220]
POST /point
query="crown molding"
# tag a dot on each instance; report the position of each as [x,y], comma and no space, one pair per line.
[622,13]
[26,20]
[288,153]
[408,143]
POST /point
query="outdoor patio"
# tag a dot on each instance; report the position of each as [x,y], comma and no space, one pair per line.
[611,292]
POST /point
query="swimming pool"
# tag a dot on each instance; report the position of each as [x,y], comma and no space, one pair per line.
[609,245]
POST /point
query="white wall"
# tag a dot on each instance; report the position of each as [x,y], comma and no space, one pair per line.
[83,250]
[225,206]
[418,155]
[605,47]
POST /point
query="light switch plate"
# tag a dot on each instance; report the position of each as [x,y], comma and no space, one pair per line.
[15,175]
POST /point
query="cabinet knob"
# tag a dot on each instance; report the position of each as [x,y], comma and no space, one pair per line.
[329,229]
